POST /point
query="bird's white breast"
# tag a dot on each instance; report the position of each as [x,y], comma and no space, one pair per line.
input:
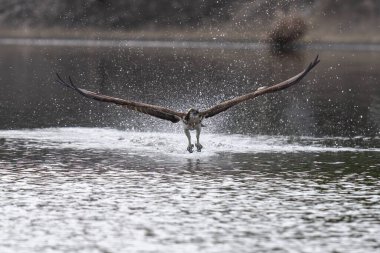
[193,123]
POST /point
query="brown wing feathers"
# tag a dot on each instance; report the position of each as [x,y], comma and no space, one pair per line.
[173,116]
[153,110]
[277,87]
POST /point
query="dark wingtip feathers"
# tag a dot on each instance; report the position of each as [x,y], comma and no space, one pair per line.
[69,84]
[311,66]
[315,62]
[62,82]
[59,80]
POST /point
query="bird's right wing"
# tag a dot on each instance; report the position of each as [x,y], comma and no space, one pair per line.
[261,91]
[153,110]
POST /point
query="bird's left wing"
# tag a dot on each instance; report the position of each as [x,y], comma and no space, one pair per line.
[277,87]
[153,110]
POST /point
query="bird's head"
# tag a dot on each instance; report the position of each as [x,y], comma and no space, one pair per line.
[191,113]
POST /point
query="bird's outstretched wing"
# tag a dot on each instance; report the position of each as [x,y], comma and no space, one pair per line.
[153,110]
[261,91]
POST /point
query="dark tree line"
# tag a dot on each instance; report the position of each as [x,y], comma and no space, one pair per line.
[112,13]
[129,14]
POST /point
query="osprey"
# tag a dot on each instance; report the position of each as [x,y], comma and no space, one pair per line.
[192,120]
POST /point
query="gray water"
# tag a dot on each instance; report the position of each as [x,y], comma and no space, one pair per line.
[296,171]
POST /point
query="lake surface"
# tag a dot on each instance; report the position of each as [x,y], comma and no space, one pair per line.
[296,171]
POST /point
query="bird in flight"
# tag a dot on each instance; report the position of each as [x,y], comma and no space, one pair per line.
[191,120]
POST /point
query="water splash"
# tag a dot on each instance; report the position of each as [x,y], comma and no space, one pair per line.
[175,143]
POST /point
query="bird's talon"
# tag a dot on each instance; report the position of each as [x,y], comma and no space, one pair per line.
[190,148]
[199,147]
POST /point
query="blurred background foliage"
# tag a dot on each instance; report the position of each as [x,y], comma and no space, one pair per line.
[234,18]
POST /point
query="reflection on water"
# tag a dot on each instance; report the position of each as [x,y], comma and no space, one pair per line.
[268,179]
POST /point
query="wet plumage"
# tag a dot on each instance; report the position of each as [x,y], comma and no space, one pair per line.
[192,120]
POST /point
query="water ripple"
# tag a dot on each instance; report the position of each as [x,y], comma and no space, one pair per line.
[65,191]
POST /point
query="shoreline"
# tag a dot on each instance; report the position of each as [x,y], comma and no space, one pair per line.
[187,44]
[219,35]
